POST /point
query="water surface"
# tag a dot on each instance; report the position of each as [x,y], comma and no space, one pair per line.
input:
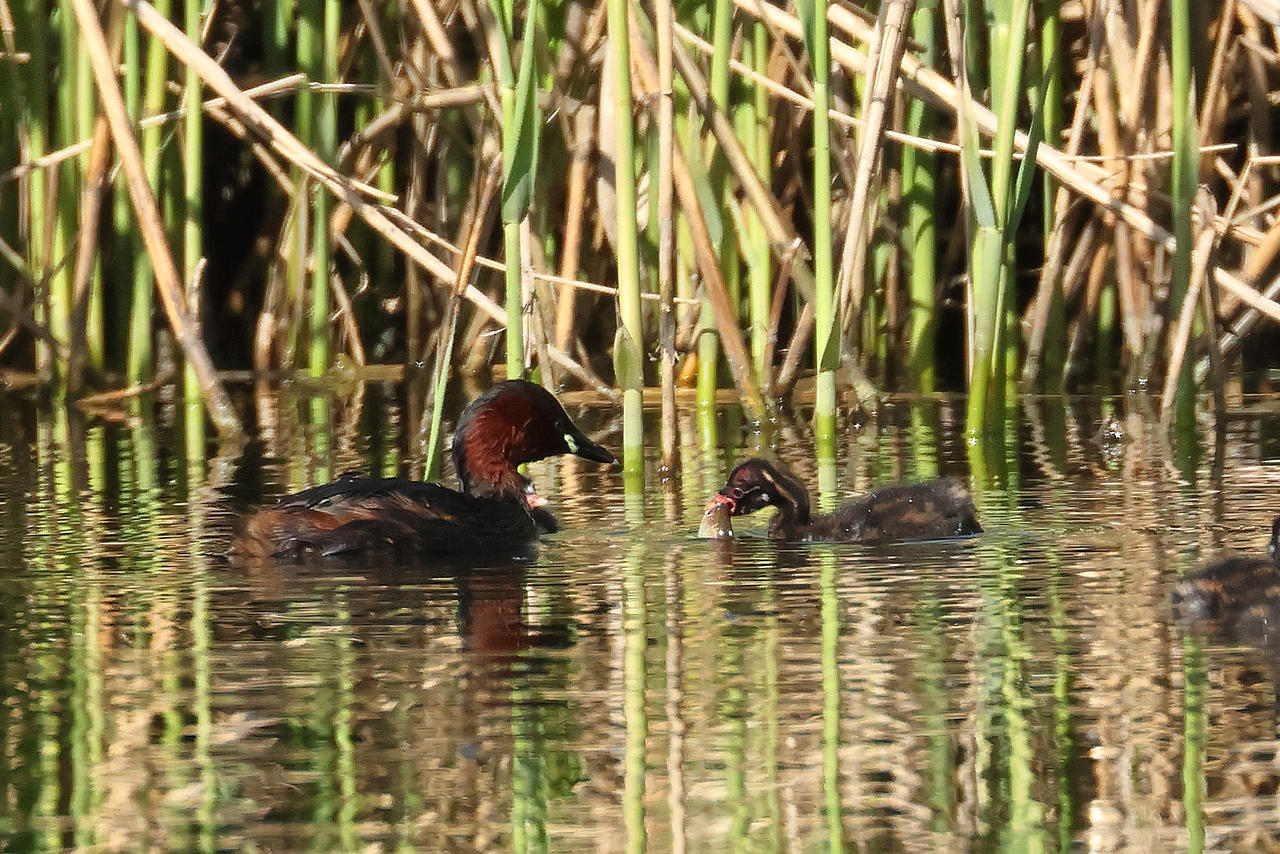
[632,687]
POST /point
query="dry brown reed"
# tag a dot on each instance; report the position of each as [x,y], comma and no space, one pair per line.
[418,120]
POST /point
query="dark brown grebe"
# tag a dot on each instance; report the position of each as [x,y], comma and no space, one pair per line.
[497,510]
[918,511]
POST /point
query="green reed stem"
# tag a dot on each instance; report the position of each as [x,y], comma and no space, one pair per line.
[1186,170]
[504,11]
[127,241]
[85,118]
[66,217]
[34,37]
[521,131]
[996,206]
[308,213]
[1194,729]
[756,133]
[1051,102]
[717,219]
[832,690]
[139,363]
[919,184]
[192,229]
[826,323]
[628,356]
[635,635]
[326,65]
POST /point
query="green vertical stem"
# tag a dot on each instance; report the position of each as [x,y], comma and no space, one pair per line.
[139,362]
[310,29]
[759,261]
[514,299]
[831,691]
[1186,170]
[1194,728]
[281,24]
[635,640]
[505,11]
[193,230]
[1055,343]
[69,174]
[628,355]
[86,117]
[708,338]
[939,791]
[771,714]
[996,205]
[35,121]
[128,243]
[521,132]
[1061,630]
[33,36]
[1106,333]
[674,705]
[325,66]
[826,324]
[202,670]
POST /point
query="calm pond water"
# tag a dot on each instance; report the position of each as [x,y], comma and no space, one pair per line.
[632,688]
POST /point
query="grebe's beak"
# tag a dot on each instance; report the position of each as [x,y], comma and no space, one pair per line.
[583,447]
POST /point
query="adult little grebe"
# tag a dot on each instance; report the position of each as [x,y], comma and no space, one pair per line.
[917,511]
[497,510]
[1232,589]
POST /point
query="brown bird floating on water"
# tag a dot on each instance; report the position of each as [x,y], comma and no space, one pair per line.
[1233,590]
[934,510]
[497,510]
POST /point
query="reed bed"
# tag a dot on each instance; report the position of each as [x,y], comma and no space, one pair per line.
[884,197]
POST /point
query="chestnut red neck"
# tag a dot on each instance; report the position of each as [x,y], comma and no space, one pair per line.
[514,422]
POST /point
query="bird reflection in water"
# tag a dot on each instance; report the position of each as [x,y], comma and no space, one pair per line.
[1235,601]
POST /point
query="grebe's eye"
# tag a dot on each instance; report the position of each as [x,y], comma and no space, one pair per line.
[735,492]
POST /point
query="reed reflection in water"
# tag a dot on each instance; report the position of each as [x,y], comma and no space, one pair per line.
[631,687]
